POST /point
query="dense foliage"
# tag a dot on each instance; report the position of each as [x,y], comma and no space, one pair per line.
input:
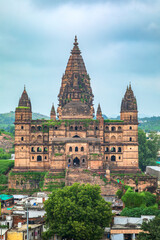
[150,124]
[133,199]
[151,230]
[6,165]
[148,149]
[77,212]
[4,154]
[139,211]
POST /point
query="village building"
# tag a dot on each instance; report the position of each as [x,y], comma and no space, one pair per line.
[73,137]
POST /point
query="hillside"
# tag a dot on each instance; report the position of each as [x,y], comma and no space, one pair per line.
[7,120]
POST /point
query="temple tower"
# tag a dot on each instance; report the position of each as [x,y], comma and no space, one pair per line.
[23,117]
[75,96]
[53,113]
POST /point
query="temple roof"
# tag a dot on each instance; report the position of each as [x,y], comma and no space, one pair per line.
[53,112]
[75,86]
[129,102]
[24,101]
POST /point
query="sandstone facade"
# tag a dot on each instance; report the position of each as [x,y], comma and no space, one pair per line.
[74,138]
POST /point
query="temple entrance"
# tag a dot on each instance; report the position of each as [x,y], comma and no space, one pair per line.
[76,162]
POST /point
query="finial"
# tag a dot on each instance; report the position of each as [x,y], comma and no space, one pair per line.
[24,87]
[75,40]
[130,85]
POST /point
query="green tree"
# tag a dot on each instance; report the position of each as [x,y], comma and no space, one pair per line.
[152,230]
[77,212]
[148,149]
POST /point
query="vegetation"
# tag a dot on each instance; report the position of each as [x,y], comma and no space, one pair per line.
[139,211]
[77,212]
[133,199]
[151,124]
[148,149]
[4,155]
[5,166]
[151,230]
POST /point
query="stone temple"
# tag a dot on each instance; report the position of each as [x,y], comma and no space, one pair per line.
[74,138]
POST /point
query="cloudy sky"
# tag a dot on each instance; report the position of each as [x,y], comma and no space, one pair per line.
[119,40]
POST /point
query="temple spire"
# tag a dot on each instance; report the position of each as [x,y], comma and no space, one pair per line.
[24,101]
[99,112]
[53,113]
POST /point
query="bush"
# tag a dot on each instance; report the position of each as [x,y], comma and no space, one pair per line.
[119,193]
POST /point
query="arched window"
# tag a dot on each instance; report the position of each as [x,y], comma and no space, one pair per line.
[113,158]
[71,127]
[39,128]
[106,158]
[107,128]
[69,160]
[45,129]
[130,128]
[107,149]
[32,149]
[32,157]
[76,149]
[70,149]
[39,149]
[21,116]
[130,117]
[119,149]
[45,149]
[21,127]
[113,139]
[39,138]
[119,157]
[96,128]
[39,158]
[22,138]
[130,139]
[55,127]
[82,149]
[119,128]
[83,160]
[33,129]
[80,127]
[113,149]
[45,157]
[76,128]
[113,129]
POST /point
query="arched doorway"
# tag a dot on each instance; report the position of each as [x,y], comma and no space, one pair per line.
[76,162]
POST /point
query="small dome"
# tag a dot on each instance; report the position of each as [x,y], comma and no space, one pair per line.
[76,109]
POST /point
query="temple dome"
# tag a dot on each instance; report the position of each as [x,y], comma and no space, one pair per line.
[76,110]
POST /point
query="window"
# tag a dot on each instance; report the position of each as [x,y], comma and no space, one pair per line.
[70,149]
[76,128]
[39,158]
[130,128]
[32,149]
[113,149]
[39,149]
[33,129]
[119,128]
[45,149]
[55,128]
[130,139]
[71,127]
[96,128]
[83,160]
[119,149]
[69,160]
[82,149]
[106,158]
[107,128]
[39,128]
[45,157]
[107,149]
[21,127]
[119,157]
[113,129]
[76,149]
[80,127]
[22,138]
[113,158]
[130,117]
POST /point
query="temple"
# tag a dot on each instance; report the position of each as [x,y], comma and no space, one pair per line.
[74,138]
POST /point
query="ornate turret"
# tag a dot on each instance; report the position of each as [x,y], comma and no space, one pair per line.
[53,113]
[129,106]
[24,101]
[24,109]
[75,97]
[99,112]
